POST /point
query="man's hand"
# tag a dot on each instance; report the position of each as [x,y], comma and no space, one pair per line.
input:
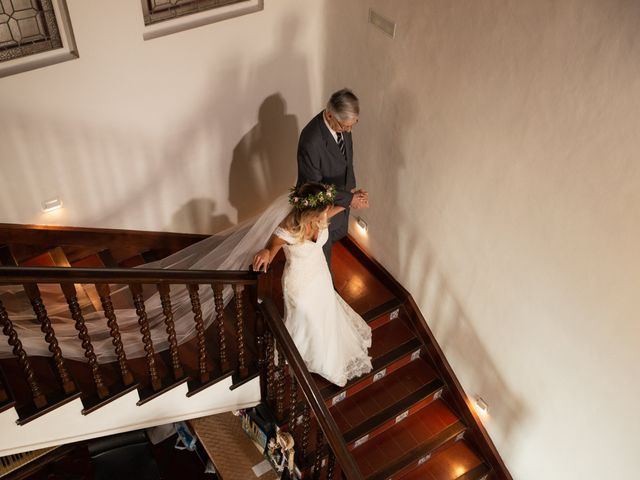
[261,259]
[360,199]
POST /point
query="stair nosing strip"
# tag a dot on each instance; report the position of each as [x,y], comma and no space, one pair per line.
[380,310]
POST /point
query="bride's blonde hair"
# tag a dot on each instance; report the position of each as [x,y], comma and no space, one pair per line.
[301,218]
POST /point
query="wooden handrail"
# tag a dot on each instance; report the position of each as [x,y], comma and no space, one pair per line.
[332,433]
[20,275]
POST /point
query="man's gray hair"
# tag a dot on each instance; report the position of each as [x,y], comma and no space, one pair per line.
[344,105]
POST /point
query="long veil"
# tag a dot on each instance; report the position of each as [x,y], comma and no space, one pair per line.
[232,249]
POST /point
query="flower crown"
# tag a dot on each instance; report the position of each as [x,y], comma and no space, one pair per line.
[312,201]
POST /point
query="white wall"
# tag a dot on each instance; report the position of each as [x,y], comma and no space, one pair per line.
[499,143]
[152,134]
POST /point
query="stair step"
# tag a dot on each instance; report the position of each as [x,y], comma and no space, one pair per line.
[382,314]
[393,346]
[404,446]
[456,462]
[358,286]
[387,402]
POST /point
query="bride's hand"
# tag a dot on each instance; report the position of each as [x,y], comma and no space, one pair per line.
[261,259]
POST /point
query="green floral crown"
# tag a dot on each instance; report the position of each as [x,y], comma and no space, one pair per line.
[312,201]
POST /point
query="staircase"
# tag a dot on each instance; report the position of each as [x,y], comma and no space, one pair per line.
[408,419]
[46,401]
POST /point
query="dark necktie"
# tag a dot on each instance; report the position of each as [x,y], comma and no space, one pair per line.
[341,144]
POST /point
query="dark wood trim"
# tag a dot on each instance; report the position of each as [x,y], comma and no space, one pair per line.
[147,394]
[461,401]
[58,235]
[94,403]
[331,432]
[29,413]
[19,275]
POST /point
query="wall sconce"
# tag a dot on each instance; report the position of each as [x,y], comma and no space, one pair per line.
[481,406]
[51,205]
[362,224]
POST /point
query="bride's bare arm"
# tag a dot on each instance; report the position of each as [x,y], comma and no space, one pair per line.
[263,258]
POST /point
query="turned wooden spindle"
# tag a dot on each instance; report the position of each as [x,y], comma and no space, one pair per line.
[33,292]
[69,290]
[39,398]
[293,400]
[143,321]
[280,386]
[238,291]
[225,366]
[107,306]
[331,465]
[306,429]
[202,346]
[262,354]
[165,299]
[317,464]
[271,369]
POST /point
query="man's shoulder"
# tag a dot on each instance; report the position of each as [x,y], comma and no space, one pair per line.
[313,129]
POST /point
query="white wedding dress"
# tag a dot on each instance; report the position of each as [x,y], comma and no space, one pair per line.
[331,337]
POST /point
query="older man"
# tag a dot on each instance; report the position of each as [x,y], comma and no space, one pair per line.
[325,154]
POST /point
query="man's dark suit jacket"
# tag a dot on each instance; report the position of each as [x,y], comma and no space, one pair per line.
[320,160]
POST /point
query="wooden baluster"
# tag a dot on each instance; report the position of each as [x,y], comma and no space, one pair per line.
[280,386]
[33,292]
[165,299]
[271,369]
[225,366]
[262,354]
[202,346]
[319,453]
[306,429]
[143,321]
[39,398]
[112,323]
[69,290]
[293,400]
[331,466]
[243,371]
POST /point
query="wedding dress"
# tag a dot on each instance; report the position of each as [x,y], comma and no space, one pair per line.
[331,337]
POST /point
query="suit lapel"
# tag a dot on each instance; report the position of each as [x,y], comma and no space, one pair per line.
[329,142]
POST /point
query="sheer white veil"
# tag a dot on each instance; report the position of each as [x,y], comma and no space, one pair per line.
[232,249]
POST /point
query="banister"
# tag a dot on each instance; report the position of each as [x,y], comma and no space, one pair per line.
[21,275]
[311,392]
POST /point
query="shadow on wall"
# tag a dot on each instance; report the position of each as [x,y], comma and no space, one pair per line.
[263,165]
[198,215]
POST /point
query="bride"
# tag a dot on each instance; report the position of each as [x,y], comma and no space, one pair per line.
[332,338]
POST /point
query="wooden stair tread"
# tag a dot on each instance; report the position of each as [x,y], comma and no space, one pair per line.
[386,399]
[359,287]
[455,462]
[406,442]
[390,343]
